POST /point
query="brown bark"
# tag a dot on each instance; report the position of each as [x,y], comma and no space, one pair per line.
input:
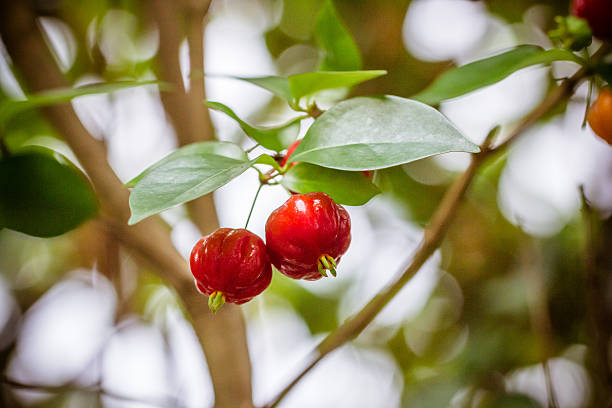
[221,336]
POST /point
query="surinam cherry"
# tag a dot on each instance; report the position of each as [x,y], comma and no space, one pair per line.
[600,115]
[598,13]
[230,265]
[307,236]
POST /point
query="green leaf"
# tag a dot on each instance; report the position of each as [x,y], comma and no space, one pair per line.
[279,86]
[43,194]
[226,149]
[306,84]
[277,138]
[341,52]
[345,187]
[478,74]
[9,108]
[180,179]
[269,160]
[368,133]
[297,86]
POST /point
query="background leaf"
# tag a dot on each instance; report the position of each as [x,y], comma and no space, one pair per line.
[306,84]
[478,74]
[341,52]
[43,194]
[279,86]
[180,179]
[275,138]
[11,107]
[604,70]
[369,133]
[226,149]
[345,187]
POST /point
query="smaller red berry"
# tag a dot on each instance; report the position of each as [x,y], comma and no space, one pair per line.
[307,236]
[600,115]
[230,265]
[598,13]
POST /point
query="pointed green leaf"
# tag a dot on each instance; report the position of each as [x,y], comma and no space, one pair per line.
[181,179]
[341,52]
[478,74]
[368,133]
[226,149]
[277,138]
[43,194]
[306,84]
[269,160]
[297,86]
[10,107]
[345,187]
[279,86]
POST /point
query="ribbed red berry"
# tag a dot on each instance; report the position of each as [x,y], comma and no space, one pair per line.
[307,236]
[230,265]
[598,13]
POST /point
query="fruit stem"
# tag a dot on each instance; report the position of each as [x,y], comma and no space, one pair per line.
[587,57]
[253,148]
[246,224]
[215,301]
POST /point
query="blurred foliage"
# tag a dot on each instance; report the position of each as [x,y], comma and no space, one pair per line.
[454,344]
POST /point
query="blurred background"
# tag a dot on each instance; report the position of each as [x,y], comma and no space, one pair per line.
[511,286]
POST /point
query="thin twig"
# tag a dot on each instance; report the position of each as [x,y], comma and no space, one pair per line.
[252,148]
[598,322]
[432,237]
[587,105]
[537,296]
[587,58]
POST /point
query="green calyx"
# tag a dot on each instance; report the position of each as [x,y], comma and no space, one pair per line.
[326,263]
[215,301]
[572,33]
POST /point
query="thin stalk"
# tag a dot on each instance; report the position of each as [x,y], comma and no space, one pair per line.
[588,104]
[246,224]
[253,148]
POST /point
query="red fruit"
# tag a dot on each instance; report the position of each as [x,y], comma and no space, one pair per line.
[598,13]
[600,115]
[230,265]
[307,235]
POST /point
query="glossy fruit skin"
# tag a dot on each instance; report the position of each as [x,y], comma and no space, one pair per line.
[305,228]
[234,262]
[600,115]
[598,13]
